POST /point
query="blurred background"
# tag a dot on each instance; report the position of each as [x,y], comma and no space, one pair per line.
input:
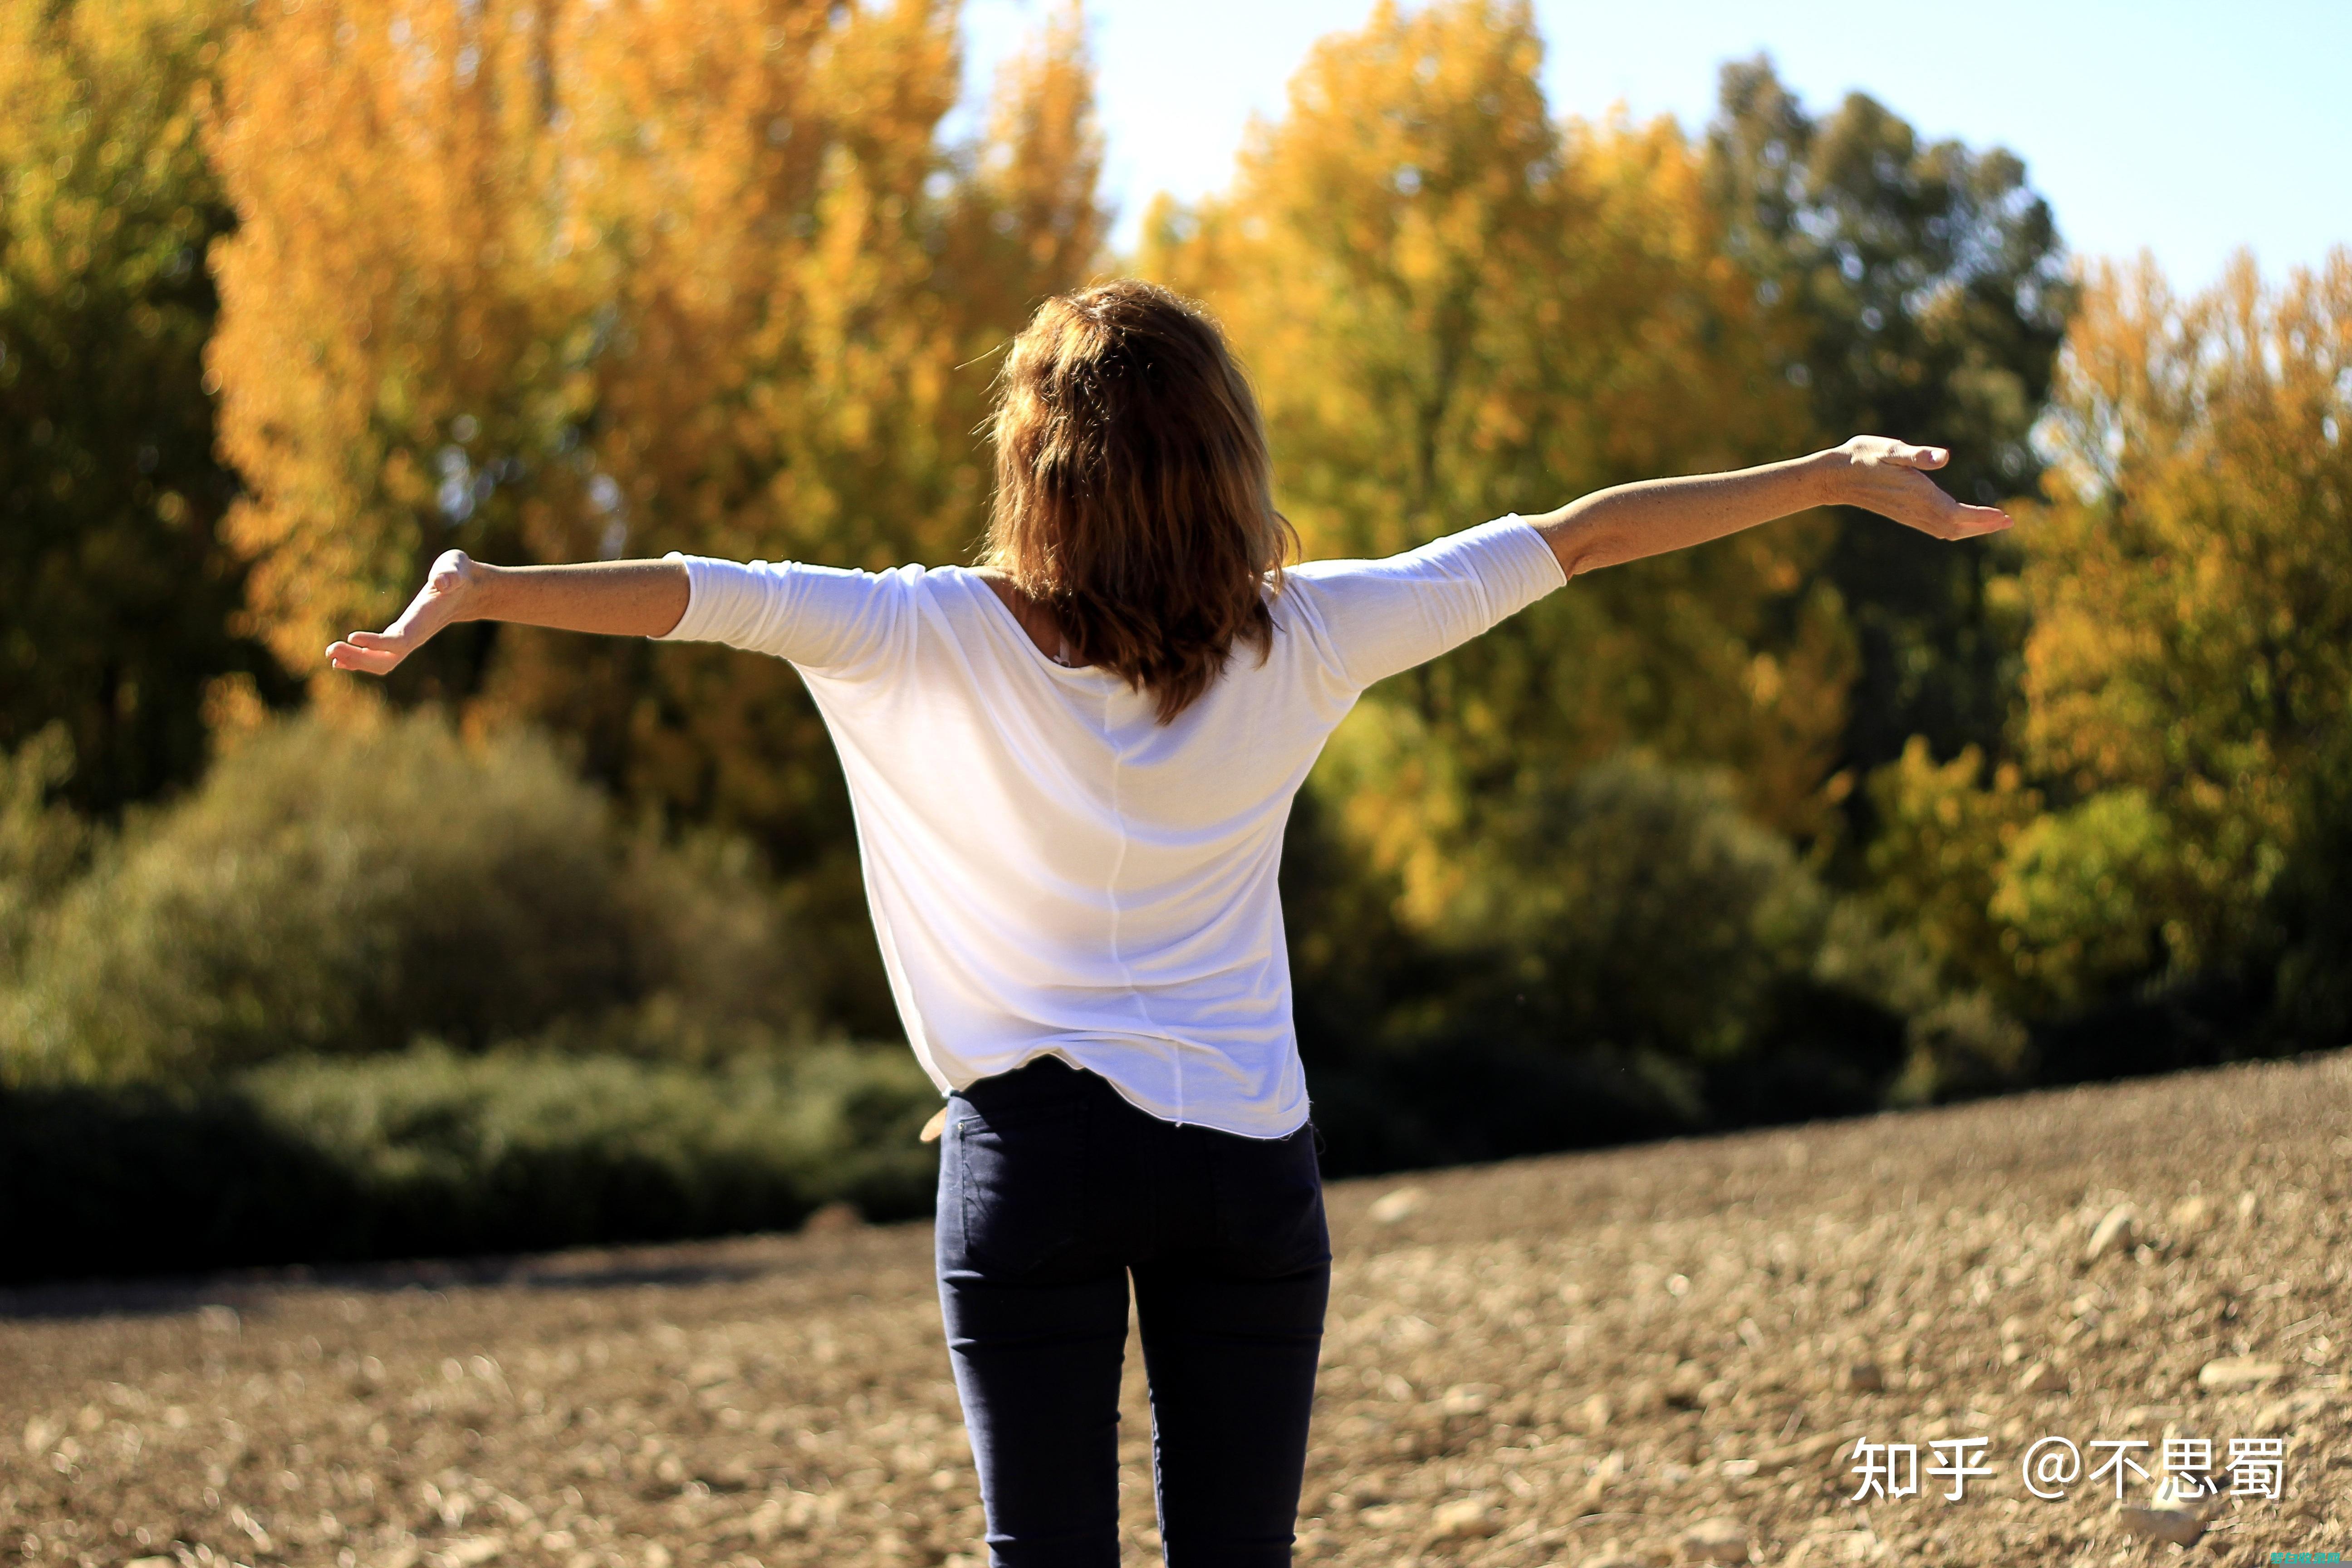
[551,940]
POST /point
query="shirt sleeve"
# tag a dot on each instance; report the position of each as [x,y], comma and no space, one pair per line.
[818,618]
[1378,618]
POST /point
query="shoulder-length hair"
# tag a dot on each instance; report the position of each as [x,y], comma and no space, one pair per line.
[1134,497]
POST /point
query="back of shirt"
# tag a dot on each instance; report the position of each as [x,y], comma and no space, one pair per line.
[1053,871]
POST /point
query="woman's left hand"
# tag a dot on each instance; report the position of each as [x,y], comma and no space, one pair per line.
[1890,478]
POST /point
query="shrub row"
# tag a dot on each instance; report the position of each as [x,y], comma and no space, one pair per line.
[428,1153]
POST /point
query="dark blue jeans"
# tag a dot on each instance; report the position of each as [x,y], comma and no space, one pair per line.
[1053,1193]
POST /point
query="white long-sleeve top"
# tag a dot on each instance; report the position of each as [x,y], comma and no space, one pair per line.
[1050,871]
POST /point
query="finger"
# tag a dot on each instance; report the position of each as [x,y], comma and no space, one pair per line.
[364,661]
[387,640]
[1952,520]
[1923,457]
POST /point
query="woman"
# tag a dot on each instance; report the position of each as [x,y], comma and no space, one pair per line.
[1071,769]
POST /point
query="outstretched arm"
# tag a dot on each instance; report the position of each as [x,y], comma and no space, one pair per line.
[1626,522]
[621,598]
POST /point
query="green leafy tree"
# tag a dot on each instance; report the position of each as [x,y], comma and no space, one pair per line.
[116,592]
[1926,286]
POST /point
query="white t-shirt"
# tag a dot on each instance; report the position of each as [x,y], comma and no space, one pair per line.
[1052,871]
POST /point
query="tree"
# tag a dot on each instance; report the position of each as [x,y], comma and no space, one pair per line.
[116,592]
[2181,753]
[2190,665]
[554,281]
[1925,285]
[1455,307]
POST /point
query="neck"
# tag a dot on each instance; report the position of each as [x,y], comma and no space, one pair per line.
[1035,618]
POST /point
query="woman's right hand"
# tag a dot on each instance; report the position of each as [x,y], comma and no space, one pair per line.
[454,580]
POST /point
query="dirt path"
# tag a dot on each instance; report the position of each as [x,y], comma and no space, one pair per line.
[1574,1360]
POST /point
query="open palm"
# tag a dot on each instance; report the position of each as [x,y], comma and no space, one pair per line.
[438,602]
[1890,478]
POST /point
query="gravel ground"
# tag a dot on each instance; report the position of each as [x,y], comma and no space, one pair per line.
[1647,1355]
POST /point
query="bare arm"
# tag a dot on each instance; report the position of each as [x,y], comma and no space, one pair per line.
[1626,522]
[620,599]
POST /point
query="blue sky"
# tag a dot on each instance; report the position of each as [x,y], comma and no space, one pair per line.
[2186,129]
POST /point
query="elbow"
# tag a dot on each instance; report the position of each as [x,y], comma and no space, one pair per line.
[1580,546]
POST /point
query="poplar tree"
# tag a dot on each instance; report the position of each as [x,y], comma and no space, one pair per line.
[116,592]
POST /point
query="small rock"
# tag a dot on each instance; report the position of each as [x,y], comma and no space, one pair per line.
[1595,1412]
[1713,1540]
[2282,1415]
[153,1563]
[1836,1546]
[2041,1378]
[2232,1372]
[1684,1388]
[2140,1416]
[1596,1490]
[1466,1399]
[40,1434]
[2249,1206]
[1862,1377]
[832,1219]
[1464,1519]
[1402,1203]
[2114,1234]
[2180,1526]
[2192,1216]
[218,1319]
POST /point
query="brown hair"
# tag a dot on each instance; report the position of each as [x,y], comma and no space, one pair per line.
[1134,498]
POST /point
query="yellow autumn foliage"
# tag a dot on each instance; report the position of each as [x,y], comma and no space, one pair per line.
[550,282]
[1455,307]
[2187,674]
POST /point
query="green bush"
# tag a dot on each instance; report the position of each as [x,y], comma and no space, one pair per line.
[42,841]
[429,1153]
[1631,956]
[333,890]
[1634,906]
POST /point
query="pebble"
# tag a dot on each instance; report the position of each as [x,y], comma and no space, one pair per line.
[2114,1234]
[2238,1372]
[2180,1526]
[1862,1377]
[1465,1399]
[2041,1378]
[2192,1216]
[1595,1413]
[1402,1203]
[1713,1540]
[1464,1519]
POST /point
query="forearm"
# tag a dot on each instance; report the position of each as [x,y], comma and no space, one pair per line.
[1651,517]
[618,598]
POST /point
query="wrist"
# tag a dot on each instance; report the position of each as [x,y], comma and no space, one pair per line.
[476,587]
[1824,476]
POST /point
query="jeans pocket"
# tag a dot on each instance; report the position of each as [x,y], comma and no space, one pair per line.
[1018,1175]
